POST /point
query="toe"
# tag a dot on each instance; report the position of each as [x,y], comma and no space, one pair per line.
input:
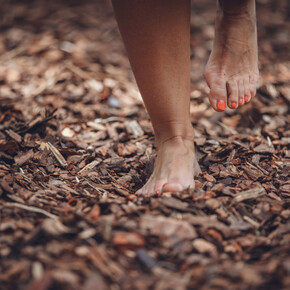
[144,190]
[150,190]
[252,86]
[247,90]
[172,187]
[241,92]
[233,93]
[218,97]
[158,186]
[139,191]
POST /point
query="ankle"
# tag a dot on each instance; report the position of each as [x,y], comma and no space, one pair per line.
[175,140]
[173,129]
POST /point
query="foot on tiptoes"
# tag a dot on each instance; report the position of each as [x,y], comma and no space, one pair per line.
[232,69]
[174,169]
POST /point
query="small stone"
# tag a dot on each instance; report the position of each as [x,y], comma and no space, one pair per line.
[110,83]
[96,85]
[82,251]
[37,270]
[113,102]
[67,132]
[87,233]
[67,46]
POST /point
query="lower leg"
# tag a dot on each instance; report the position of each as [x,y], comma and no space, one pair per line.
[157,38]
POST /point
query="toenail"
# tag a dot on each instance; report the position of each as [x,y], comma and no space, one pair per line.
[233,105]
[240,101]
[157,191]
[165,184]
[221,105]
[246,99]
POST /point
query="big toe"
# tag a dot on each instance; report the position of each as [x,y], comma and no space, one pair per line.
[173,187]
[218,96]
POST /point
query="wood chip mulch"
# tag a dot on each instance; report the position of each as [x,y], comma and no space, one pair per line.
[76,143]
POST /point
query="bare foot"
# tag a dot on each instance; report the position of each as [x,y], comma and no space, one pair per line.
[174,169]
[232,70]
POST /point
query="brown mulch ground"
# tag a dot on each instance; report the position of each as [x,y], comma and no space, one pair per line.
[76,143]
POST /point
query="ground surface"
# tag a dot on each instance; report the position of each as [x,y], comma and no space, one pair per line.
[76,143]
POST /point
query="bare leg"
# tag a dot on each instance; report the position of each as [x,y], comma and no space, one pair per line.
[232,69]
[157,37]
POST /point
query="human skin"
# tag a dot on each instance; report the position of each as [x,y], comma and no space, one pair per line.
[156,34]
[232,70]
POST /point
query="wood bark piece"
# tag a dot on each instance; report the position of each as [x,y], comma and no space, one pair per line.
[264,148]
[249,194]
[134,129]
[203,246]
[167,227]
[130,240]
[20,160]
[96,126]
[57,155]
[175,203]
[14,135]
[81,225]
[30,208]
[89,167]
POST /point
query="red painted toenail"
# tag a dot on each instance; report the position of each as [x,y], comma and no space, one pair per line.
[240,101]
[233,105]
[165,184]
[157,191]
[246,99]
[221,105]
